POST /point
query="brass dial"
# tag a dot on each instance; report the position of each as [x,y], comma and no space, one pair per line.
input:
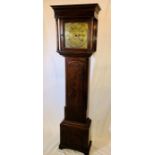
[76,35]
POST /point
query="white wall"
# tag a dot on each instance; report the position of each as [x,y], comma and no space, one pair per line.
[54,77]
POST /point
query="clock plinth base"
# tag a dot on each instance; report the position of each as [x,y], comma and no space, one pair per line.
[85,151]
[75,135]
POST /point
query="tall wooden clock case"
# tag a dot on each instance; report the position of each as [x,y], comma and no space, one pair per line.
[76,27]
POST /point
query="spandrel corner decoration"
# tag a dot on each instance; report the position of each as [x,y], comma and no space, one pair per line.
[76,27]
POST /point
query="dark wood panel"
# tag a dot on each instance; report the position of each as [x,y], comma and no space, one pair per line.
[76,88]
[84,10]
[75,136]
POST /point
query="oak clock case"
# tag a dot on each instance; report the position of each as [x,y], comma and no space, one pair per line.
[76,27]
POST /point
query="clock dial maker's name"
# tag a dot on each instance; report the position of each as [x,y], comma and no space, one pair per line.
[76,35]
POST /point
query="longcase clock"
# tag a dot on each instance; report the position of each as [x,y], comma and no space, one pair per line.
[76,27]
